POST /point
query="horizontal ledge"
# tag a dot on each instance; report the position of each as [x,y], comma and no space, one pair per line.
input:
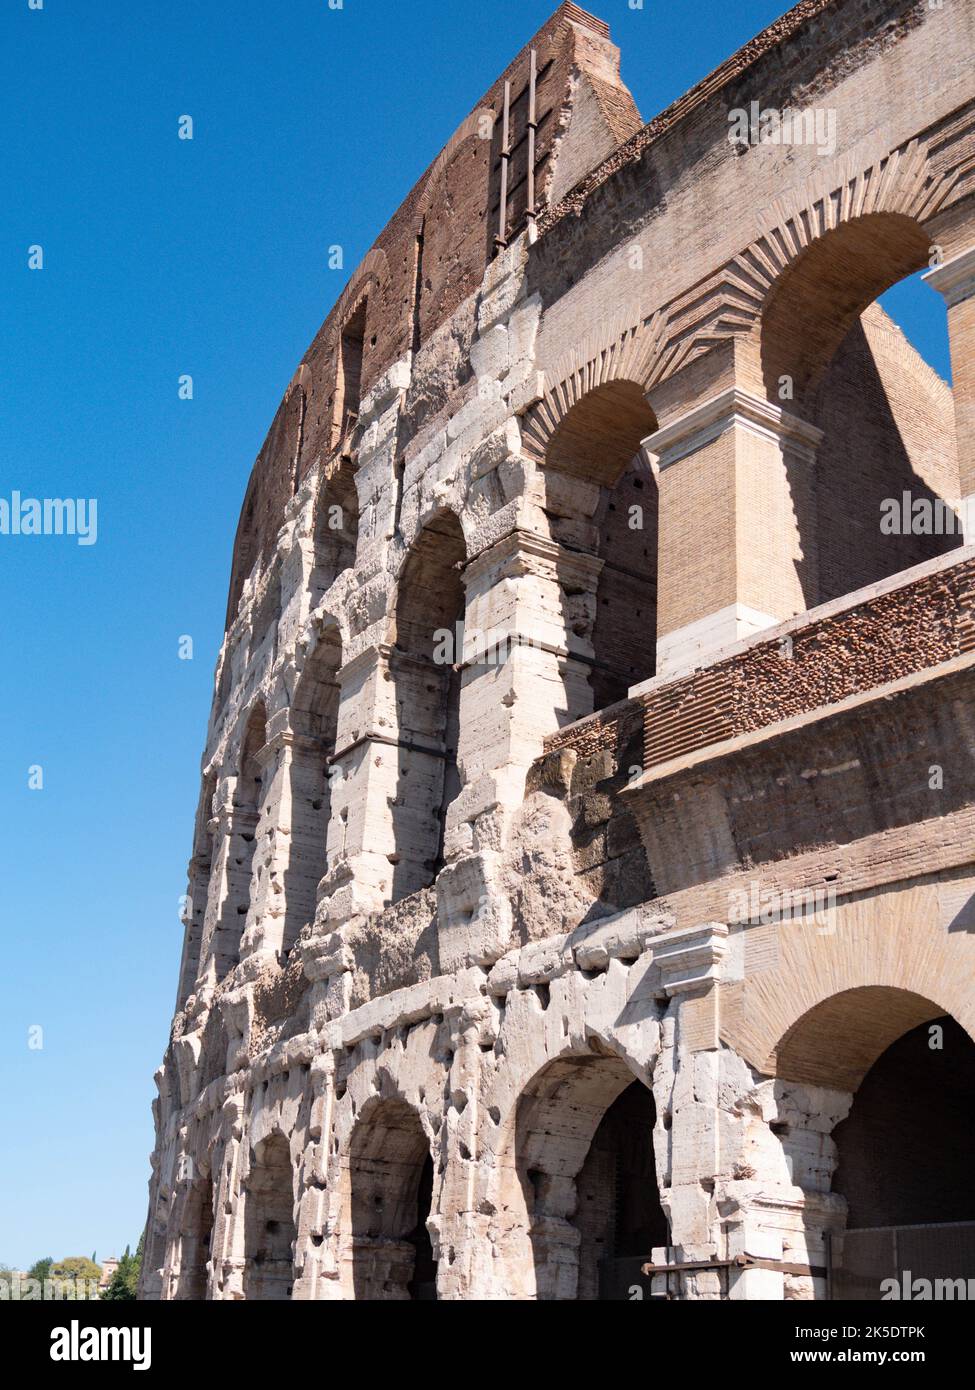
[726,748]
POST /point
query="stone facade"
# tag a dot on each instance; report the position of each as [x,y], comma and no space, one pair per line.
[586,839]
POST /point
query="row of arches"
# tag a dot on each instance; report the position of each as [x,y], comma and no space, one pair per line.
[887,430]
[426,667]
[578,1182]
[824,351]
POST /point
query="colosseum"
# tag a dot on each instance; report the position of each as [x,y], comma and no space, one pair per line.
[582,893]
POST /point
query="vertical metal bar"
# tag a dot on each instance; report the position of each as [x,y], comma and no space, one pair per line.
[502,237]
[532,82]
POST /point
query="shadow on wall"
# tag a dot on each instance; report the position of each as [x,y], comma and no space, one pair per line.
[390,1196]
[888,419]
[884,413]
[578,828]
[585,1164]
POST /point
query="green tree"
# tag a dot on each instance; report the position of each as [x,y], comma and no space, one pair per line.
[76,1267]
[124,1283]
[41,1269]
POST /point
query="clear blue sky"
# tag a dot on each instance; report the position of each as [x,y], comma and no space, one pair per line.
[164,257]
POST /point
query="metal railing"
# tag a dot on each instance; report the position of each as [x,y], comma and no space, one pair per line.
[933,1263]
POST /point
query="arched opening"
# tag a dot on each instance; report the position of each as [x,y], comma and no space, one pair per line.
[886,471]
[336,526]
[901,1154]
[314,721]
[390,1193]
[425,664]
[241,839]
[269,1226]
[348,378]
[905,1151]
[264,630]
[585,1161]
[601,499]
[195,1240]
[199,888]
[246,549]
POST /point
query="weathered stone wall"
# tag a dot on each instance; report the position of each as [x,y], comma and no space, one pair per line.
[525,744]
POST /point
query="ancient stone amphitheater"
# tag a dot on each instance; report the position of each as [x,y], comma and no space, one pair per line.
[581,901]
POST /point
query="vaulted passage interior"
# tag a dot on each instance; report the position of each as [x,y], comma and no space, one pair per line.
[196,1231]
[601,498]
[390,1190]
[239,849]
[336,526]
[907,1147]
[904,1149]
[314,720]
[833,357]
[269,1228]
[425,663]
[585,1161]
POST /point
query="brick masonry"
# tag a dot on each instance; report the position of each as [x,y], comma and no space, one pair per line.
[565,656]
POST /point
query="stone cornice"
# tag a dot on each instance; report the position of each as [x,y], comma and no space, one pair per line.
[730,408]
[955,280]
[691,959]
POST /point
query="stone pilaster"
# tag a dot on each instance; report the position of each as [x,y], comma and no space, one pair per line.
[459,1226]
[364,773]
[736,524]
[194,919]
[526,658]
[955,280]
[234,829]
[227,1242]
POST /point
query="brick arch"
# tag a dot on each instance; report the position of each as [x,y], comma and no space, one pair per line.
[433,515]
[821,294]
[622,354]
[269,1212]
[325,633]
[372,274]
[313,722]
[439,543]
[425,666]
[836,1042]
[251,723]
[730,302]
[605,1024]
[334,524]
[431,184]
[560,1108]
[893,943]
[601,433]
[601,496]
